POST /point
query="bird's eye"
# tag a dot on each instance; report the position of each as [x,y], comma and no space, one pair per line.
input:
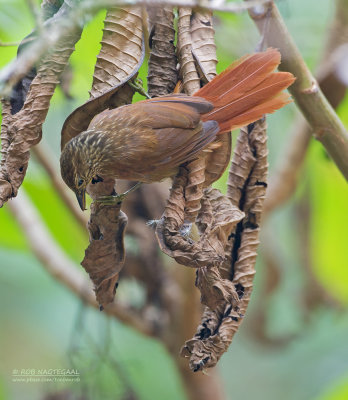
[97,179]
[80,182]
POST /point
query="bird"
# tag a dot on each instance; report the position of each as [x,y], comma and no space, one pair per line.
[149,140]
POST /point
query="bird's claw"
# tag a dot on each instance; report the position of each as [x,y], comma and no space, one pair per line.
[111,200]
[116,199]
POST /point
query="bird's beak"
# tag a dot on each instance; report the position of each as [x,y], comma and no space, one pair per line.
[81,198]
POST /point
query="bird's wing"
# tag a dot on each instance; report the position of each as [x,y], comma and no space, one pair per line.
[165,131]
[176,122]
[174,150]
[172,111]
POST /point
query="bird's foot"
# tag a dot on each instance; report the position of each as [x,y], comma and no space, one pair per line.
[117,199]
[137,85]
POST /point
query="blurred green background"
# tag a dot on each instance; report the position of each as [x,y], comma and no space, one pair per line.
[305,356]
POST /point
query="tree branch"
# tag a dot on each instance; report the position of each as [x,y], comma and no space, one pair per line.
[326,125]
[284,181]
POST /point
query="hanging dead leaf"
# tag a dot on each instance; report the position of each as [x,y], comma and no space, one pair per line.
[24,129]
[188,72]
[246,191]
[121,55]
[209,250]
[204,54]
[105,255]
[217,161]
[5,185]
[119,59]
[162,75]
[203,44]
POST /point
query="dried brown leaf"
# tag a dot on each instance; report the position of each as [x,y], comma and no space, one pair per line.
[121,49]
[246,191]
[194,188]
[188,71]
[188,202]
[121,55]
[200,53]
[204,53]
[162,75]
[206,347]
[119,59]
[203,44]
[209,250]
[217,161]
[5,185]
[24,129]
[105,254]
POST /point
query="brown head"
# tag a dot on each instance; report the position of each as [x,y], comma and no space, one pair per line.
[81,162]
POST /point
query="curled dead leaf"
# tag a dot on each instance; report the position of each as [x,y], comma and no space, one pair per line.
[24,129]
[203,44]
[119,60]
[162,74]
[188,71]
[105,255]
[246,191]
[121,55]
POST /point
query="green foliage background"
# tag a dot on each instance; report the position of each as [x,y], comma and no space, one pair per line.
[44,326]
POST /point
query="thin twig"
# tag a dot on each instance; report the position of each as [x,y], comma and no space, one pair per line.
[60,267]
[326,125]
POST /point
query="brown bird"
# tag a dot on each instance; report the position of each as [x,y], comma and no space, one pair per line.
[149,140]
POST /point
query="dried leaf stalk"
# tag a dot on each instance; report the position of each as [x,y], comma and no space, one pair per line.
[196,38]
[162,75]
[246,191]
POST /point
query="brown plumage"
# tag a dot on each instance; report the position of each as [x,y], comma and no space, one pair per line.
[148,141]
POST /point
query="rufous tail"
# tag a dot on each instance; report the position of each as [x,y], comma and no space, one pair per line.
[246,90]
